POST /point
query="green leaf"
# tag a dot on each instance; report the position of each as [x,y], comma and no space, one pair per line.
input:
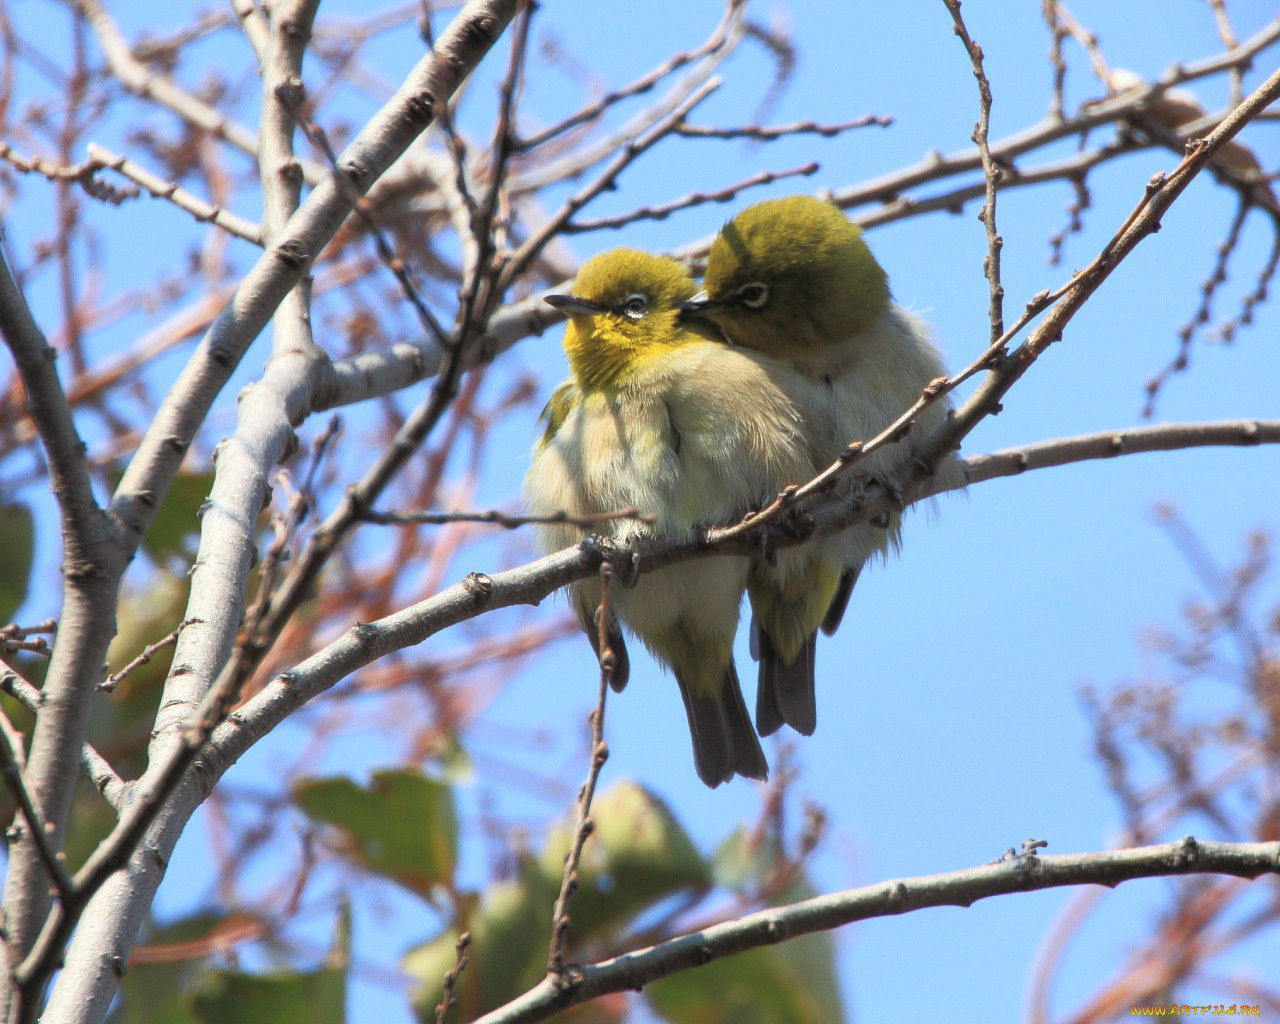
[455,763]
[759,986]
[156,993]
[286,997]
[744,860]
[17,554]
[510,933]
[174,531]
[146,616]
[801,970]
[403,826]
[637,855]
[298,997]
[811,959]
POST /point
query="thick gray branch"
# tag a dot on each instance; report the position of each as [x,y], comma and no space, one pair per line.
[92,561]
[84,991]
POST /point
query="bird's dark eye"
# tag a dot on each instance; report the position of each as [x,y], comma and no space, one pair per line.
[753,295]
[634,306]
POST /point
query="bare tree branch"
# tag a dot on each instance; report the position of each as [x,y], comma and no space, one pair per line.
[534,581]
[991,174]
[202,211]
[1027,873]
[78,995]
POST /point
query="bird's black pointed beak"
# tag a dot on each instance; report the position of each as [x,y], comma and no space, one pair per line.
[700,305]
[571,304]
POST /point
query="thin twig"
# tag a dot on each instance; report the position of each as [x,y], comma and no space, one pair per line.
[300,504]
[584,825]
[664,210]
[1228,36]
[14,631]
[503,519]
[1204,311]
[95,766]
[462,205]
[171,191]
[1109,444]
[150,651]
[290,97]
[555,224]
[1087,41]
[447,997]
[1075,222]
[764,133]
[991,173]
[1143,221]
[1005,151]
[54,861]
[536,175]
[1227,329]
[1057,34]
[641,85]
[38,646]
[82,173]
[485,285]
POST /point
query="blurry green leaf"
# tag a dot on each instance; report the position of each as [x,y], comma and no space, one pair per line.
[756,987]
[156,993]
[744,863]
[744,860]
[454,760]
[811,959]
[610,1009]
[17,553]
[638,855]
[313,997]
[146,616]
[120,723]
[403,826]
[92,820]
[174,530]
[510,933]
[286,997]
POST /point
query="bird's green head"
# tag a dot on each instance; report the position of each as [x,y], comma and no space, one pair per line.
[623,310]
[788,276]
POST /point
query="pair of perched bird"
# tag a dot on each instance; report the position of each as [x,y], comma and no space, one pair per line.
[697,407]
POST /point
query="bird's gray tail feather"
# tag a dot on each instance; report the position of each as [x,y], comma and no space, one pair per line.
[724,744]
[785,694]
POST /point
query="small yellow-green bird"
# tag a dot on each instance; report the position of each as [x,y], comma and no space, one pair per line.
[794,279]
[663,417]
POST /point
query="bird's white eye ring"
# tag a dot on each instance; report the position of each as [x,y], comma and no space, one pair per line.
[753,295]
[634,306]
